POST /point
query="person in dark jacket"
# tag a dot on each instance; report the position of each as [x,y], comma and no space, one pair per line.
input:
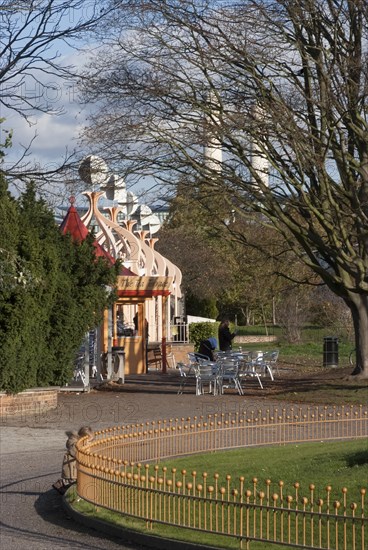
[225,336]
[207,347]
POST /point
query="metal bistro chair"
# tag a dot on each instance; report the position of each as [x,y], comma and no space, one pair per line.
[248,367]
[206,372]
[270,362]
[229,375]
[186,372]
[223,354]
[79,373]
[195,357]
[261,361]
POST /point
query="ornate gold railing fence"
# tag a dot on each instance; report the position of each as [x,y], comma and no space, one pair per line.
[119,470]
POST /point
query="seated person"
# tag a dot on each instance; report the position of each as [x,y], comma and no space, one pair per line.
[207,347]
[69,465]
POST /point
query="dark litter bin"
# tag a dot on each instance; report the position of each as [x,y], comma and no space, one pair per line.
[331,351]
[117,349]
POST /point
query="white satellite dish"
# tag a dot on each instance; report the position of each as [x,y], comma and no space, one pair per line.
[149,220]
[115,189]
[131,203]
[94,171]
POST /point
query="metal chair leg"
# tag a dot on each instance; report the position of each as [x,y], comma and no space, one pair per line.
[182,385]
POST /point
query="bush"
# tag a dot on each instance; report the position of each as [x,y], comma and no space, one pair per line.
[202,331]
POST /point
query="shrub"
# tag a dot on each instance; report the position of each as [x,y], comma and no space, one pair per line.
[202,331]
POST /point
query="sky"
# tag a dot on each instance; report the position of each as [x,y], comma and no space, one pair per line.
[49,137]
[52,134]
[52,137]
[55,135]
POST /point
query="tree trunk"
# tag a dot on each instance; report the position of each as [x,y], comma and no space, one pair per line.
[246,314]
[358,304]
[264,320]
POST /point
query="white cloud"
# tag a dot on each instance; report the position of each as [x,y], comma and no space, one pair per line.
[52,134]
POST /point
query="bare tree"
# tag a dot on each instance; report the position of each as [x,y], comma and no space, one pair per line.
[281,87]
[32,67]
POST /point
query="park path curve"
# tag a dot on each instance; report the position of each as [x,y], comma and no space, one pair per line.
[31,450]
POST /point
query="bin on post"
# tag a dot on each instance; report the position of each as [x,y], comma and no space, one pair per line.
[118,371]
[331,351]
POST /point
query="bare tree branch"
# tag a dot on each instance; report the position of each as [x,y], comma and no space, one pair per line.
[32,64]
[279,87]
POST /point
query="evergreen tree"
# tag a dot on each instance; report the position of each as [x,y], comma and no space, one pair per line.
[54,295]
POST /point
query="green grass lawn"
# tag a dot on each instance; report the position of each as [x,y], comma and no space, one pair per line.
[309,351]
[303,353]
[302,378]
[342,464]
[337,463]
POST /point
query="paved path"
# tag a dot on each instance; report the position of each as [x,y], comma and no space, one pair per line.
[32,517]
[31,450]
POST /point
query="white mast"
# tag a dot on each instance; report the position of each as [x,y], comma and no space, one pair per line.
[212,148]
[260,164]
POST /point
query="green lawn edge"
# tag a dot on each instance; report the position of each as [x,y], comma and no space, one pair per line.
[346,460]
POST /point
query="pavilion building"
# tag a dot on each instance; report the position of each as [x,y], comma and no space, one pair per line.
[149,285]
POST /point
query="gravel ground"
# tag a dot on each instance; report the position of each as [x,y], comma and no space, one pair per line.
[32,517]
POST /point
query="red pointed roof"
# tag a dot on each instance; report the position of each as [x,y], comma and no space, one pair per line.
[73,224]
[100,252]
[126,272]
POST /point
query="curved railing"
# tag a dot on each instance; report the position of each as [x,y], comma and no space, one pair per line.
[119,470]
